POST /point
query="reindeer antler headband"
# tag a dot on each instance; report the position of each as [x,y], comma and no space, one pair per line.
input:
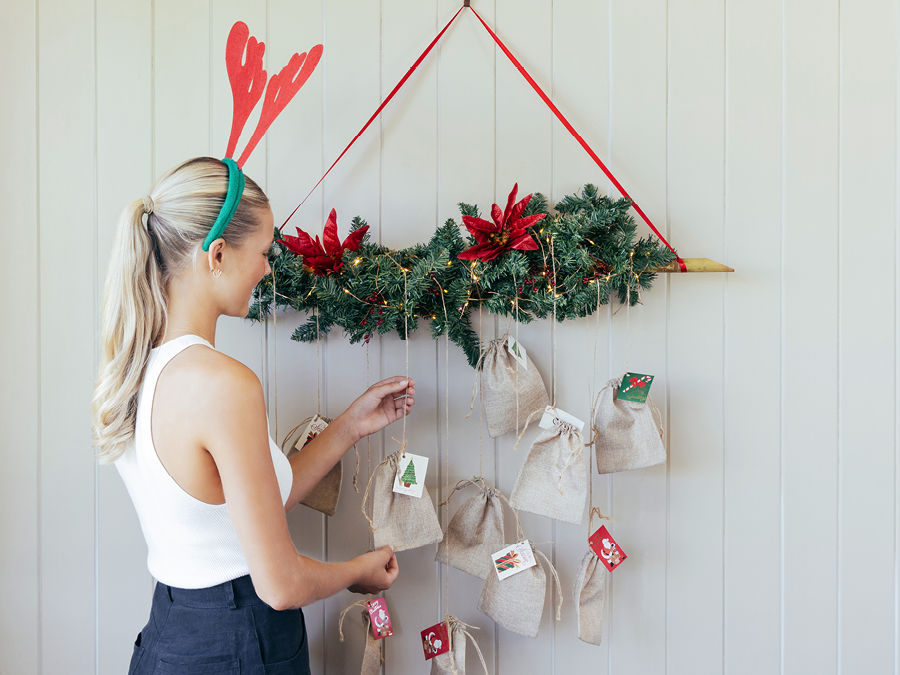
[248,80]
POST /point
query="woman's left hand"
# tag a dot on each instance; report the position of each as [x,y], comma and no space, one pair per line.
[382,403]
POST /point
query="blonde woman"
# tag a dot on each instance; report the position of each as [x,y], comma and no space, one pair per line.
[187,428]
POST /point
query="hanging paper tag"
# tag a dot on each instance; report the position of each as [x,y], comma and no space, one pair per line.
[517,350]
[410,478]
[435,640]
[606,548]
[635,387]
[551,414]
[512,559]
[315,427]
[381,620]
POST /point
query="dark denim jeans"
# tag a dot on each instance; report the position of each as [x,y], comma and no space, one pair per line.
[220,630]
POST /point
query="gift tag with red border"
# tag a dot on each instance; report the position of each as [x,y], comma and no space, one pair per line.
[435,640]
[380,619]
[606,548]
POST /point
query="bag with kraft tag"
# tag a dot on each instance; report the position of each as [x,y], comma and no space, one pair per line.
[517,602]
[454,661]
[626,436]
[401,520]
[474,532]
[499,381]
[553,479]
[373,656]
[325,494]
[590,596]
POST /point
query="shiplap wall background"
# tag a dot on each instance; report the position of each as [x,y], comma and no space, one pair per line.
[763,134]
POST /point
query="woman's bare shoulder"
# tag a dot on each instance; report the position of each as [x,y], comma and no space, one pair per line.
[210,384]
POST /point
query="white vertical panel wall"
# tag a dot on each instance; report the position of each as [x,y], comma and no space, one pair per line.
[763,134]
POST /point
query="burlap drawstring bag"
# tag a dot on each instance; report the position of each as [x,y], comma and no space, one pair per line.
[454,661]
[403,521]
[373,657]
[498,373]
[326,493]
[590,596]
[625,434]
[474,532]
[517,602]
[553,480]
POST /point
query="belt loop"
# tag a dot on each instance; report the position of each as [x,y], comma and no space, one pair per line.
[169,592]
[229,594]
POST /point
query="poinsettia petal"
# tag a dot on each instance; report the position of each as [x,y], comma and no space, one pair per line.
[330,236]
[497,216]
[518,209]
[351,243]
[472,223]
[305,244]
[509,203]
[528,221]
[524,242]
[477,251]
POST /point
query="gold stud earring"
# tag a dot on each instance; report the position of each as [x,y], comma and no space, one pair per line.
[216,273]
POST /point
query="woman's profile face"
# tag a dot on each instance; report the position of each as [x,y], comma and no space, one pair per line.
[249,264]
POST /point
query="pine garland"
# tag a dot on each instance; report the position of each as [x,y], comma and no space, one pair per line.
[590,239]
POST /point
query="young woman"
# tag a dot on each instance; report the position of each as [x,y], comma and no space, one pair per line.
[187,428]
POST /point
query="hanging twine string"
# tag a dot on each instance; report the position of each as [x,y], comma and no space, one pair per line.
[368,456]
[592,404]
[358,603]
[516,302]
[318,366]
[481,409]
[446,569]
[596,510]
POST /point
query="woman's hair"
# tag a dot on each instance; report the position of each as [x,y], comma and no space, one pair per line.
[145,258]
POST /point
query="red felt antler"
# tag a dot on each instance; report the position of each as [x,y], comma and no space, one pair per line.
[282,88]
[247,77]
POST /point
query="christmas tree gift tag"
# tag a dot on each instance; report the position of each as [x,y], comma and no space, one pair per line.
[551,414]
[518,351]
[606,548]
[512,559]
[635,387]
[380,619]
[410,476]
[435,640]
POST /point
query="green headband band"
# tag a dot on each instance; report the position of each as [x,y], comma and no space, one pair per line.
[232,199]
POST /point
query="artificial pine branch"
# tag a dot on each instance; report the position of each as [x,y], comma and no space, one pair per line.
[589,240]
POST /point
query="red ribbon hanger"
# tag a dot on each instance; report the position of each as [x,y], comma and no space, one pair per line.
[544,98]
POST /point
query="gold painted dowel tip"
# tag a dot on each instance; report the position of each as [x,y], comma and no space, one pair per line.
[694,265]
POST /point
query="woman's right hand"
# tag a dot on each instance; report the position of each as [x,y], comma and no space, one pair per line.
[377,571]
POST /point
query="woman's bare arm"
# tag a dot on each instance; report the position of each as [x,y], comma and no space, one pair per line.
[382,403]
[236,435]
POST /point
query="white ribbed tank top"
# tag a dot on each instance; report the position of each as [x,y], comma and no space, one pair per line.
[191,544]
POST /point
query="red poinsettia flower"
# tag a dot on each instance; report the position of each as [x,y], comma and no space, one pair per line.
[509,230]
[324,260]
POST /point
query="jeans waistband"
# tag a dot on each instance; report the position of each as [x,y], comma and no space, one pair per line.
[233,594]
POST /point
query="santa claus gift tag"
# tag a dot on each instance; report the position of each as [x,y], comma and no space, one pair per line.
[512,559]
[379,617]
[606,548]
[635,387]
[410,476]
[435,640]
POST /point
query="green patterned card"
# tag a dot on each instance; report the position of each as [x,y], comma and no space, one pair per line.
[635,387]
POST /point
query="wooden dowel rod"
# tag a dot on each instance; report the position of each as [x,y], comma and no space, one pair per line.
[694,265]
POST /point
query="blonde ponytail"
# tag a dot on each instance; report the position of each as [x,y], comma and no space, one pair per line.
[146,256]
